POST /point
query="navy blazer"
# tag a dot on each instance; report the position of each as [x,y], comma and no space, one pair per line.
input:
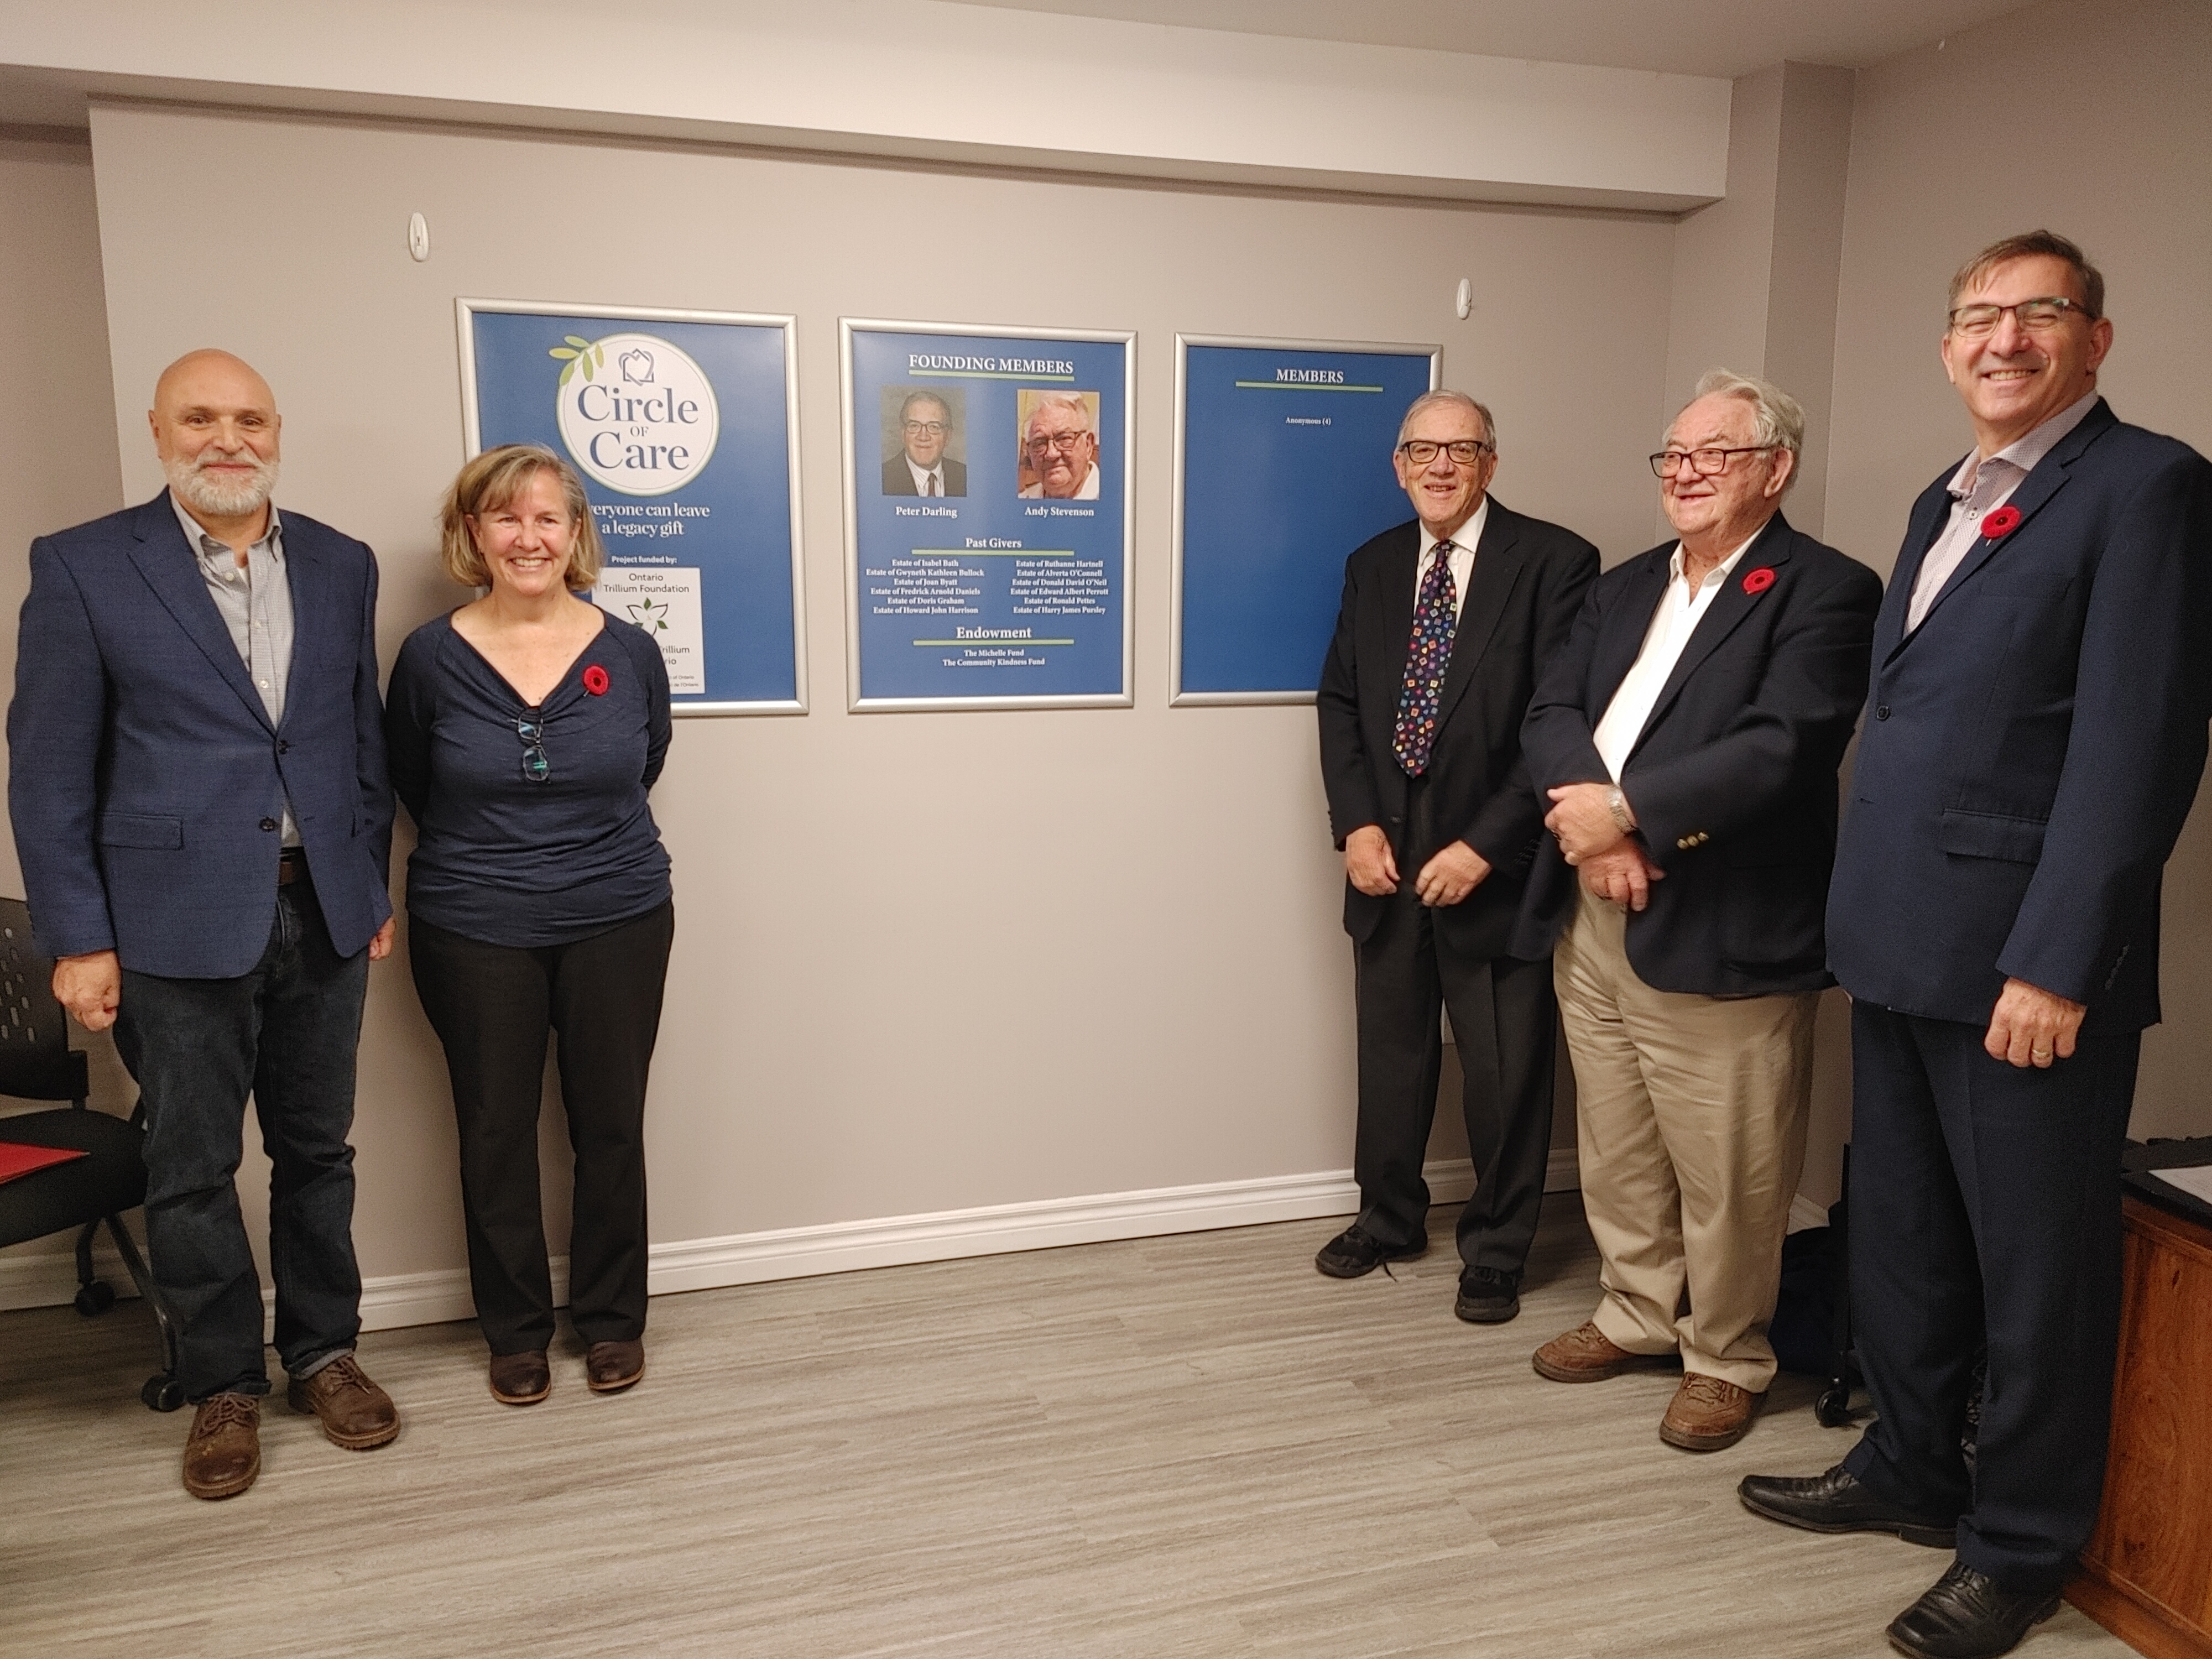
[145,781]
[2034,745]
[1528,581]
[1733,779]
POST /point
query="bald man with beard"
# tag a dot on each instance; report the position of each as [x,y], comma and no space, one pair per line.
[197,782]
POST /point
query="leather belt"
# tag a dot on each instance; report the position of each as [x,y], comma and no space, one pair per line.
[291,866]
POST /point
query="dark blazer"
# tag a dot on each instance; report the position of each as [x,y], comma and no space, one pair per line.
[145,781]
[899,481]
[2034,745]
[1732,779]
[1527,583]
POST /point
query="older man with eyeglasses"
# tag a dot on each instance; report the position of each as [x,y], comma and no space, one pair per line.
[2042,679]
[1448,620]
[1059,449]
[1687,741]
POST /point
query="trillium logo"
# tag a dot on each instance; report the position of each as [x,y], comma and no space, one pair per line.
[647,429]
[652,617]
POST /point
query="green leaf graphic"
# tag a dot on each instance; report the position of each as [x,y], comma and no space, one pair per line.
[578,344]
[560,351]
[566,372]
[586,362]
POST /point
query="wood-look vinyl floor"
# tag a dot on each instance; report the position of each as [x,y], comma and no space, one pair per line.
[1184,1446]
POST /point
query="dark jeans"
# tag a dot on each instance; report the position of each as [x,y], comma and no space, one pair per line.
[1504,1017]
[285,1033]
[492,1007]
[1985,1204]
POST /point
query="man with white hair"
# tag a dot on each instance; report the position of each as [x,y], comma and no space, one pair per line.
[1060,448]
[1687,741]
[1448,620]
[197,782]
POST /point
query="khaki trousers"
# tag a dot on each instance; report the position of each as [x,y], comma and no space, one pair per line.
[1692,1113]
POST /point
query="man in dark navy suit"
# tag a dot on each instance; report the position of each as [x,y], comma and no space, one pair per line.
[197,787]
[2042,679]
[1687,739]
[1447,621]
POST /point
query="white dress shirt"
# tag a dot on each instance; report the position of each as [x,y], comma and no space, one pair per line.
[927,480]
[1679,611]
[1977,488]
[1462,559]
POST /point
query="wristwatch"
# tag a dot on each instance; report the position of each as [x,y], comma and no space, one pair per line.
[1617,804]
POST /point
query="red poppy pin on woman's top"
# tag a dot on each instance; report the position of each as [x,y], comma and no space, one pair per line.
[1759,580]
[2001,523]
[595,680]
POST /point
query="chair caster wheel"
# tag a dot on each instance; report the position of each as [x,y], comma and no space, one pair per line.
[1833,1408]
[162,1393]
[95,1298]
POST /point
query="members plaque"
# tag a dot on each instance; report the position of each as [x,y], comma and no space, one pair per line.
[1282,468]
[683,426]
[987,490]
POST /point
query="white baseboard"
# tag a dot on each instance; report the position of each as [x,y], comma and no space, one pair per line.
[698,1264]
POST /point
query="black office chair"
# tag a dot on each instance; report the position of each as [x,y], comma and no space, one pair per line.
[37,1063]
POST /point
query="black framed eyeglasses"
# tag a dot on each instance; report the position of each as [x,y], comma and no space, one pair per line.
[927,428]
[1464,452]
[536,769]
[1706,462]
[2036,316]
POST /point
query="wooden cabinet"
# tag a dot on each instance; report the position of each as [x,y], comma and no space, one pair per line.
[2147,1574]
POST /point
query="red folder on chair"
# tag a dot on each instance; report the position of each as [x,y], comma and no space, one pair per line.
[17,1159]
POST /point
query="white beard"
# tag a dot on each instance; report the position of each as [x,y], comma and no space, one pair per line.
[215,496]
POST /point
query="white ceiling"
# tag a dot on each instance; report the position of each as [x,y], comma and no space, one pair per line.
[1726,38]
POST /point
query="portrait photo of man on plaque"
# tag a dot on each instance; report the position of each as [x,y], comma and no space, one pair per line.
[1059,445]
[925,441]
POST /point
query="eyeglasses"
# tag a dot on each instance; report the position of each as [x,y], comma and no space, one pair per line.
[1464,452]
[2036,316]
[1067,442]
[536,769]
[1708,462]
[928,429]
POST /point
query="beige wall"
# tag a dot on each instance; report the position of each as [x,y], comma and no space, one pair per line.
[2110,148]
[58,425]
[923,961]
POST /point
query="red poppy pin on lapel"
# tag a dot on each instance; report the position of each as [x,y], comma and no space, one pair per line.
[595,680]
[1759,580]
[2001,523]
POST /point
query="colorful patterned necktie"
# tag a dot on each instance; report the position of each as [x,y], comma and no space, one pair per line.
[1426,659]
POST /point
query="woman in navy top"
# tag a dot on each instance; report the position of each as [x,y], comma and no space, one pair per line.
[524,730]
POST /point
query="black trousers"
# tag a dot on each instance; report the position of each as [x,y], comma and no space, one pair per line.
[492,1007]
[1505,1016]
[1985,1202]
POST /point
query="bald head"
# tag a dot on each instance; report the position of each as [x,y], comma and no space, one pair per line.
[215,426]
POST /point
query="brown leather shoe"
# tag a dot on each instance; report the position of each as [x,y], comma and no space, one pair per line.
[223,1453]
[521,1379]
[1707,1414]
[357,1413]
[1587,1354]
[610,1367]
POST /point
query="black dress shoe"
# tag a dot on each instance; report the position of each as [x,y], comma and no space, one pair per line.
[1966,1614]
[1839,1502]
[1487,1296]
[1355,1251]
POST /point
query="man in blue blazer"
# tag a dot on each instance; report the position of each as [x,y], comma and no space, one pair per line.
[2042,679]
[197,783]
[1686,741]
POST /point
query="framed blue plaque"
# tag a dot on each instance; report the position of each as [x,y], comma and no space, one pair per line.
[683,425]
[1282,468]
[988,489]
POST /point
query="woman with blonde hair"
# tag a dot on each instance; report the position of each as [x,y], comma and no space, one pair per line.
[525,729]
